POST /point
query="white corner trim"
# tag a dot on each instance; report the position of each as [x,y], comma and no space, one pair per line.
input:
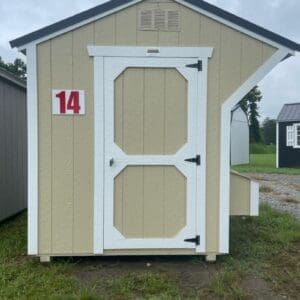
[254,198]
[151,51]
[32,149]
[277,145]
[98,154]
[224,212]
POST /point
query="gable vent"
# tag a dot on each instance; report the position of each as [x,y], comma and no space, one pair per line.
[158,19]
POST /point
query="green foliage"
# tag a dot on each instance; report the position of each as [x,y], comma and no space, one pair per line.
[18,67]
[264,163]
[262,149]
[269,131]
[249,104]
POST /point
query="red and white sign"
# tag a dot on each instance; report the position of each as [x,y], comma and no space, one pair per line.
[68,102]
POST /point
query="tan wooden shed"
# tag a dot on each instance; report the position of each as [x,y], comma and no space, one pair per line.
[129,107]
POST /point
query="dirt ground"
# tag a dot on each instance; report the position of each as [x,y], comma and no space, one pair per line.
[193,274]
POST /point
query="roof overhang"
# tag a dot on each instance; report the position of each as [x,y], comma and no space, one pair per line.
[113,6]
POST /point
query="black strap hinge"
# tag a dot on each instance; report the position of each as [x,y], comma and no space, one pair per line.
[196,160]
[195,240]
[197,65]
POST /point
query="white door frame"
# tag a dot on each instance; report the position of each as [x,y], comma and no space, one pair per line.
[99,53]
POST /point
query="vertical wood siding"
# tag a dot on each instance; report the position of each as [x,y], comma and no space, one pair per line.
[13,149]
[150,118]
[66,143]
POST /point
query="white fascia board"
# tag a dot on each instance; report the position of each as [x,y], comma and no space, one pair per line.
[224,195]
[32,150]
[133,51]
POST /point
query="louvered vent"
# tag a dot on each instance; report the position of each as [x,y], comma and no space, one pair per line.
[158,19]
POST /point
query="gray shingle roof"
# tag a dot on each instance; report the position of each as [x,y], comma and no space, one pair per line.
[289,113]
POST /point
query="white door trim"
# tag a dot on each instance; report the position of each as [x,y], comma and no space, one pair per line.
[224,210]
[168,52]
[180,52]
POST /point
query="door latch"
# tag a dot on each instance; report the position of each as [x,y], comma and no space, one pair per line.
[196,160]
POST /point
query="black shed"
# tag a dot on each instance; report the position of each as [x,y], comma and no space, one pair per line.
[288,136]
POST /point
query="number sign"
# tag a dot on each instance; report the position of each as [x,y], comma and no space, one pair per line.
[68,102]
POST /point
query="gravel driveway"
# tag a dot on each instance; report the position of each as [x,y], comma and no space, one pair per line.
[280,191]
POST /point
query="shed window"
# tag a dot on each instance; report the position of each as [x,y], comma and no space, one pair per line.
[297,135]
[293,136]
[290,136]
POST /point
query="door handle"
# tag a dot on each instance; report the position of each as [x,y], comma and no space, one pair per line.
[111,161]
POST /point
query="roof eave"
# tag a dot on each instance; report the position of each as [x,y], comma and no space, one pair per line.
[113,4]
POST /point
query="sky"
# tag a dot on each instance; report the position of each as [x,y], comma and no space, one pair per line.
[282,85]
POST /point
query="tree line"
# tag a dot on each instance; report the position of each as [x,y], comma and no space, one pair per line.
[258,134]
[18,67]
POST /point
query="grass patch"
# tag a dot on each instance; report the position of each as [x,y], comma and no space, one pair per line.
[264,163]
[266,247]
[139,285]
[227,285]
[24,277]
[265,189]
[262,149]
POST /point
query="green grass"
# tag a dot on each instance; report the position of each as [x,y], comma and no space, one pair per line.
[264,163]
[262,149]
[146,285]
[24,277]
[266,246]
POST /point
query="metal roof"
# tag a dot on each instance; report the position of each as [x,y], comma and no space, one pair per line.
[12,78]
[114,4]
[289,113]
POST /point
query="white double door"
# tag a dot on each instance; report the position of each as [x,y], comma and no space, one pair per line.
[150,189]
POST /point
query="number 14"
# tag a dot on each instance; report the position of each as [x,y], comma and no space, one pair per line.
[69,102]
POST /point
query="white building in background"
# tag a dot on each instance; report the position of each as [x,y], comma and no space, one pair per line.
[239,137]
